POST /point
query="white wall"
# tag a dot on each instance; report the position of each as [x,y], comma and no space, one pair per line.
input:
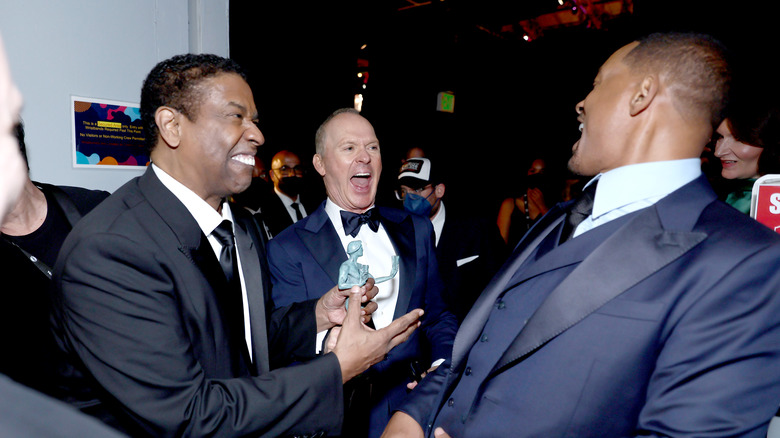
[95,48]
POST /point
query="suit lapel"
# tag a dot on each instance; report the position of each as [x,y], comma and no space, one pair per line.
[643,244]
[192,241]
[475,320]
[323,243]
[401,233]
[249,243]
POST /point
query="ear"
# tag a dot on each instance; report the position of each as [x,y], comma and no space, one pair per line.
[439,190]
[167,122]
[319,166]
[642,98]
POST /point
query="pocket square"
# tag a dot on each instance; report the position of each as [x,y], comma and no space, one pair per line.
[462,262]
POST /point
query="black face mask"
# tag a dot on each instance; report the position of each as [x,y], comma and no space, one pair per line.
[291,185]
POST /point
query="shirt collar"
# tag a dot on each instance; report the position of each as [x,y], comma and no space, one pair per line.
[628,184]
[207,218]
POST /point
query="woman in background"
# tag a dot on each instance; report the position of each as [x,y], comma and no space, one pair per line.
[747,143]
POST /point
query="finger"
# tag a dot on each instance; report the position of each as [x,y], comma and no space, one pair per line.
[440,433]
[402,328]
[370,308]
[403,336]
[354,312]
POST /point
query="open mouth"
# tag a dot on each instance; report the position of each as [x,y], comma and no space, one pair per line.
[249,160]
[361,180]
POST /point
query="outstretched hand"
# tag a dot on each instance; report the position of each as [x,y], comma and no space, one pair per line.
[358,346]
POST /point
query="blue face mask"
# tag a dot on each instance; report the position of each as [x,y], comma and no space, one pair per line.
[416,204]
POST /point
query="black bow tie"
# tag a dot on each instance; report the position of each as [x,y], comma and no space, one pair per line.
[353,221]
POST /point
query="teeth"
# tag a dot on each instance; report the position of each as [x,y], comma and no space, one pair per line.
[362,175]
[246,159]
[582,125]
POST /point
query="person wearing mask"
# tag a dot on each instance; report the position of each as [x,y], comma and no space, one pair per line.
[645,307]
[285,205]
[469,248]
[305,262]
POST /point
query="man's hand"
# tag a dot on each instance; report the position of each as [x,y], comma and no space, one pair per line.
[413,384]
[358,346]
[402,425]
[331,309]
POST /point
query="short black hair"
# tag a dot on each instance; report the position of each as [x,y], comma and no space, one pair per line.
[697,66]
[173,83]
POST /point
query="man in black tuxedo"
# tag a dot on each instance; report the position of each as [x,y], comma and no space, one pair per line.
[285,204]
[469,248]
[162,294]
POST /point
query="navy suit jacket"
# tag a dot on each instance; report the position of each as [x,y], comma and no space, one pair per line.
[305,260]
[663,323]
[137,310]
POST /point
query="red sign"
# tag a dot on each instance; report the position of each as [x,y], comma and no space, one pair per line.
[766,201]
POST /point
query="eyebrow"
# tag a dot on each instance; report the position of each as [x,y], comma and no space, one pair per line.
[243,109]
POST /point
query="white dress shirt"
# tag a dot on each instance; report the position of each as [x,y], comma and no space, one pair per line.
[630,188]
[288,202]
[208,219]
[378,251]
[438,222]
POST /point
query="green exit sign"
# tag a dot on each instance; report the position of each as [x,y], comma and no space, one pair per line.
[445,102]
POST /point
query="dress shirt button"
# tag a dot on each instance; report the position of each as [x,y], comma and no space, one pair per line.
[501,305]
[450,402]
[468,371]
[484,338]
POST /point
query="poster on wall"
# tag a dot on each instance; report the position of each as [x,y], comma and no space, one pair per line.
[107,134]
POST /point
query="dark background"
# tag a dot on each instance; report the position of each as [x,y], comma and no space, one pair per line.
[514,100]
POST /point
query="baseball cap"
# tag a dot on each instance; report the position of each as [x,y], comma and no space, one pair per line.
[417,173]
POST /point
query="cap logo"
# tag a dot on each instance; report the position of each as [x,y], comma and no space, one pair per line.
[411,166]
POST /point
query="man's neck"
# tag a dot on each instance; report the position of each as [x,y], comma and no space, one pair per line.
[28,214]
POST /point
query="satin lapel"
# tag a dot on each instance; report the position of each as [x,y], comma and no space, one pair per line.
[641,244]
[402,236]
[248,243]
[323,243]
[192,241]
[475,320]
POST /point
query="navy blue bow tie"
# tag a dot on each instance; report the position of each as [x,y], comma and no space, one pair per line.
[353,221]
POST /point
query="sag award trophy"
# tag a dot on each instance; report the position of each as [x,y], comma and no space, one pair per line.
[352,273]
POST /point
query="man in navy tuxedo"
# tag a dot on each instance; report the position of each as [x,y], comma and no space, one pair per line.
[306,257]
[659,317]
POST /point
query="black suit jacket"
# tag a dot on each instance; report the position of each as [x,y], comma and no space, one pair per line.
[274,214]
[136,308]
[470,251]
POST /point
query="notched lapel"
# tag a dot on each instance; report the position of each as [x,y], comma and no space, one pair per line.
[641,244]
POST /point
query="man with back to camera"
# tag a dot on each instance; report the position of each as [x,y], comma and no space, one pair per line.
[469,248]
[162,294]
[305,261]
[659,317]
